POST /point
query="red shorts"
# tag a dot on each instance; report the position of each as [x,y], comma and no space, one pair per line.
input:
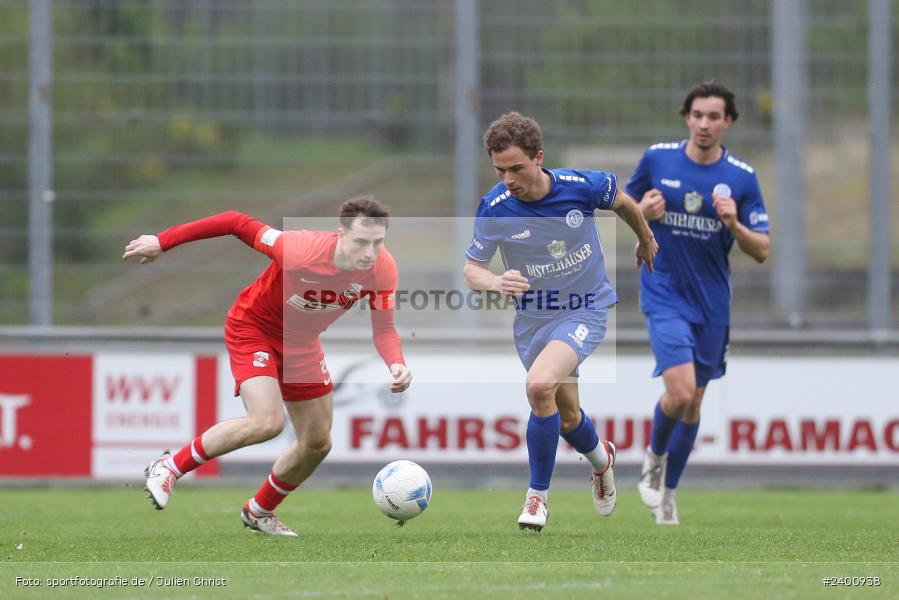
[302,376]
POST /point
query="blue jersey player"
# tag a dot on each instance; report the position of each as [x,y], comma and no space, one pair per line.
[542,223]
[698,199]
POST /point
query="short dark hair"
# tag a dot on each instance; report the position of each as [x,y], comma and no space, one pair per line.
[369,210]
[514,129]
[707,89]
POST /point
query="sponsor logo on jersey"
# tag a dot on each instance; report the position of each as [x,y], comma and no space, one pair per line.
[567,265]
[477,244]
[694,222]
[722,190]
[672,183]
[574,218]
[557,249]
[692,202]
[522,236]
[311,303]
[756,217]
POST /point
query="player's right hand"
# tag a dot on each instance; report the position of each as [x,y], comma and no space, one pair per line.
[653,205]
[402,377]
[146,246]
[513,283]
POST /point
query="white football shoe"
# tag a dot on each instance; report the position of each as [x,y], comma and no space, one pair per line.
[666,513]
[603,484]
[267,524]
[533,514]
[160,481]
[651,477]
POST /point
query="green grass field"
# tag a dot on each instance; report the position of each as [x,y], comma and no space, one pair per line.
[754,544]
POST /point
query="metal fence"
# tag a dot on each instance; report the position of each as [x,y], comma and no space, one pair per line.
[165,111]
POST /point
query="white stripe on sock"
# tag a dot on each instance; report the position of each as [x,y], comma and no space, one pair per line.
[280,490]
[196,455]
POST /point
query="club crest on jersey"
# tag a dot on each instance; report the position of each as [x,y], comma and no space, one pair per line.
[574,218]
[722,190]
[692,202]
[557,249]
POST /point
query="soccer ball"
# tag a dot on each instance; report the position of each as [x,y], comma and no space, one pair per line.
[402,490]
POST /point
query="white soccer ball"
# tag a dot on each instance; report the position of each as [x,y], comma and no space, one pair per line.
[402,490]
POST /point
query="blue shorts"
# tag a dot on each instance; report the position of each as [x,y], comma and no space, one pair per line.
[583,330]
[676,341]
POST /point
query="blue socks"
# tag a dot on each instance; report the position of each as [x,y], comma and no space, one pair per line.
[662,426]
[582,438]
[543,440]
[679,449]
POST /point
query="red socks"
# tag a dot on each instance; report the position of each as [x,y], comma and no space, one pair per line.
[188,458]
[270,495]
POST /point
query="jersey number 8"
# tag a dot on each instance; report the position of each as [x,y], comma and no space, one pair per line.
[581,332]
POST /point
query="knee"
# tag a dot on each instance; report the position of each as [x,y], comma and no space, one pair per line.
[541,394]
[682,397]
[266,427]
[318,446]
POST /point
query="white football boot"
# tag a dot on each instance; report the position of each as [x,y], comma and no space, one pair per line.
[603,484]
[533,514]
[652,477]
[267,524]
[666,512]
[160,481]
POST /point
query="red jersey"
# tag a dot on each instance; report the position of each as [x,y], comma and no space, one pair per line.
[302,292]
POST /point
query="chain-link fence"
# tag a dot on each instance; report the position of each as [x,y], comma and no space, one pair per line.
[166,111]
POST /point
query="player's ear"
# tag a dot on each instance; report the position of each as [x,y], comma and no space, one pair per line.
[538,158]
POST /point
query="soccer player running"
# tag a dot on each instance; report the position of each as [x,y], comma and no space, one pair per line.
[271,334]
[698,199]
[542,222]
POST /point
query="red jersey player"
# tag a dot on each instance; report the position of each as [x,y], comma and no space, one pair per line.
[272,334]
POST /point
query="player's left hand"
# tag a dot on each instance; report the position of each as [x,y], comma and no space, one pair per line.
[726,209]
[402,377]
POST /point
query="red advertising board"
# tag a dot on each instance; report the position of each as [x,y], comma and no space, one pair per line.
[45,415]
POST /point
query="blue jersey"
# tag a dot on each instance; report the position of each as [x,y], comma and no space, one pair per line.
[553,241]
[692,273]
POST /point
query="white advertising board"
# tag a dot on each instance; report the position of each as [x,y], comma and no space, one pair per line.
[142,404]
[764,411]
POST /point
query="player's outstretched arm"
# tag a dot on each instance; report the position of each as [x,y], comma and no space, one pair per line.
[146,246]
[647,247]
[481,279]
